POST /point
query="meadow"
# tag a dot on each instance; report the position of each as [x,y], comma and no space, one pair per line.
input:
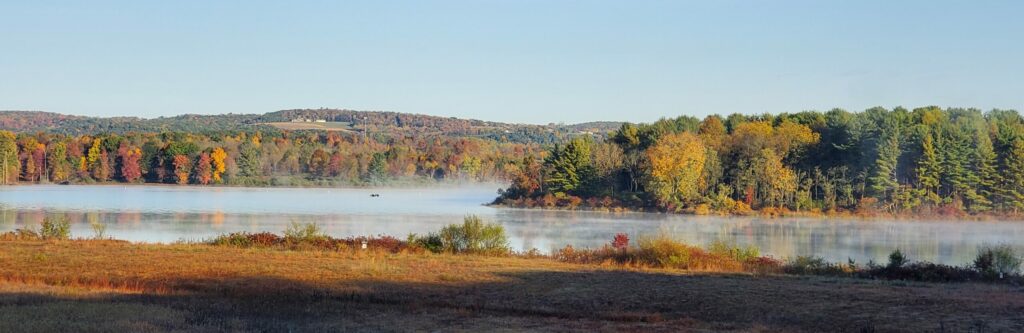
[302,281]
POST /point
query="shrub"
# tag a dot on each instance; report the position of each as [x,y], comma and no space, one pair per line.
[430,242]
[804,265]
[621,242]
[98,229]
[664,251]
[896,259]
[304,233]
[56,228]
[702,209]
[474,236]
[731,250]
[20,234]
[997,261]
[239,239]
[920,271]
[763,265]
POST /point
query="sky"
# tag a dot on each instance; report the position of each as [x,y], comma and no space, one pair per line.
[524,61]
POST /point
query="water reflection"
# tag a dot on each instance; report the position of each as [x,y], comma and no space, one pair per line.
[167,214]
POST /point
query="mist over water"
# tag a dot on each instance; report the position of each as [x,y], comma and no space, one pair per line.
[171,213]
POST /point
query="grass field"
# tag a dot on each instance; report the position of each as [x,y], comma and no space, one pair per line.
[327,126]
[83,286]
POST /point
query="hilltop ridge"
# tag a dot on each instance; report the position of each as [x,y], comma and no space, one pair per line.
[339,119]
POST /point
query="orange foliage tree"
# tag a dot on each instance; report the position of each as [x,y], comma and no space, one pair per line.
[182,168]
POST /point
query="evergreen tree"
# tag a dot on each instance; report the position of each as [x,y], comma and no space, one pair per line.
[10,166]
[1012,184]
[928,169]
[569,167]
[883,178]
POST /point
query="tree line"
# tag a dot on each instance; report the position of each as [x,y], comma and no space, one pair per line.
[253,158]
[925,160]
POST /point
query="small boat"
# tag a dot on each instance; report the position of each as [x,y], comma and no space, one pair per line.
[374,195]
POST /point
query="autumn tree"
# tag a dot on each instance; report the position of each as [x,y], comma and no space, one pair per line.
[130,158]
[96,164]
[318,162]
[219,159]
[31,163]
[204,169]
[103,170]
[182,168]
[57,161]
[677,165]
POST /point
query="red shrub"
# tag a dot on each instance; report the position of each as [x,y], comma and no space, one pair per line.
[621,241]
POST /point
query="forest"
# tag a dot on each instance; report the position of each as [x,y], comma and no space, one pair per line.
[254,158]
[927,160]
[380,124]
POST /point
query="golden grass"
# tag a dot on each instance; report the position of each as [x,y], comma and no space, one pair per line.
[329,126]
[114,286]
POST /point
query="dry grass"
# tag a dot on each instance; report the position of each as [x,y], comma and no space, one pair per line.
[86,286]
[328,126]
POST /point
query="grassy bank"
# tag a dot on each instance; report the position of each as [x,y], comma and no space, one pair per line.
[103,285]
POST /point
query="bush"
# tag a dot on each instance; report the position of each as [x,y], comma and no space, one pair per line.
[430,242]
[731,250]
[20,234]
[896,259]
[304,233]
[474,236]
[997,261]
[56,228]
[239,239]
[817,266]
[98,229]
[621,241]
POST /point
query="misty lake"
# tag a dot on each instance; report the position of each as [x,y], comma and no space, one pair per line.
[170,213]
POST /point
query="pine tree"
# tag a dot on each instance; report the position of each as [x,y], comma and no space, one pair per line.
[984,161]
[928,169]
[1012,184]
[883,178]
[568,167]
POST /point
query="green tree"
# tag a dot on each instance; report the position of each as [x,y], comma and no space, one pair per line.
[928,169]
[1012,184]
[378,169]
[569,166]
[249,163]
[10,166]
[57,161]
[883,178]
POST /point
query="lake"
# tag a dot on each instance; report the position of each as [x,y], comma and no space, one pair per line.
[171,213]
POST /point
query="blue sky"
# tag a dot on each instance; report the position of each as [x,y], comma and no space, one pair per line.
[519,61]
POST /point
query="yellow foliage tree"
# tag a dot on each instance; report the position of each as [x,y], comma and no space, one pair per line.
[219,165]
[676,166]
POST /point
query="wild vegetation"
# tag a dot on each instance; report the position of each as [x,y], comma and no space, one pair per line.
[925,161]
[263,283]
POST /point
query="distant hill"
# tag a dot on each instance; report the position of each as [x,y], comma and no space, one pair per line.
[372,122]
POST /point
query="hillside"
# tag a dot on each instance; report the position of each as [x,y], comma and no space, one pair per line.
[375,122]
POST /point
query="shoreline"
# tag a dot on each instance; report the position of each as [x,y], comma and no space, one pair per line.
[774,214]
